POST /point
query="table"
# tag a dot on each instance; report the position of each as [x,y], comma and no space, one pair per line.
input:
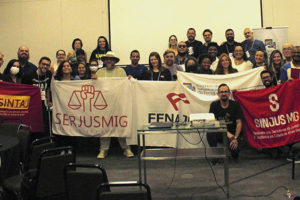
[9,156]
[145,154]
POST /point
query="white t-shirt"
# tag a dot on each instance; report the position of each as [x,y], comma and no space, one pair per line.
[244,66]
[214,64]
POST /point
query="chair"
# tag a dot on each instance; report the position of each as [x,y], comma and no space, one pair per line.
[48,179]
[295,149]
[126,191]
[82,180]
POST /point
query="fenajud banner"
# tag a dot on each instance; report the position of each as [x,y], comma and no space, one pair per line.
[21,103]
[271,116]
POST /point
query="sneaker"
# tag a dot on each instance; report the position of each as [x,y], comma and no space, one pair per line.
[102,154]
[128,153]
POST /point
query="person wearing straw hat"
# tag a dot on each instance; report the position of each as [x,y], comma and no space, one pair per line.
[111,70]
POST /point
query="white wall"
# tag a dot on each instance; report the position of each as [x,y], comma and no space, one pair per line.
[48,25]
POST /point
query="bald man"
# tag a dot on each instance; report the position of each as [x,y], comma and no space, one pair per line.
[251,45]
[291,70]
[287,52]
[26,67]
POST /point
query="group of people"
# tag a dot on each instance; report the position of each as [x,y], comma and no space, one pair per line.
[190,56]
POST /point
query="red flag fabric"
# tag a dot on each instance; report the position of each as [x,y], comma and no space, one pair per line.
[21,102]
[271,115]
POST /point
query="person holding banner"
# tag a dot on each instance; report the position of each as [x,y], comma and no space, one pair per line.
[12,72]
[64,72]
[205,63]
[110,70]
[261,59]
[224,65]
[230,111]
[291,70]
[156,72]
[276,63]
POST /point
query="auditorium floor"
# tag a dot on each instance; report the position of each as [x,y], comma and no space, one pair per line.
[254,174]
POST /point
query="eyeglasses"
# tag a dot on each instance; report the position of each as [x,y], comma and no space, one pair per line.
[45,64]
[181,46]
[223,92]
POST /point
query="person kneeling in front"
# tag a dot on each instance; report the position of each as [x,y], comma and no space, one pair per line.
[111,70]
[229,111]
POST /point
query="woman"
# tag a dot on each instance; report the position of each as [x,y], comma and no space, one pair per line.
[276,63]
[83,71]
[191,65]
[205,63]
[12,72]
[93,65]
[64,72]
[76,44]
[173,44]
[60,56]
[240,60]
[101,49]
[156,71]
[260,59]
[224,65]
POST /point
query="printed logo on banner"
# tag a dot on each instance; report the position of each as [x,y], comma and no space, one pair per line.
[190,86]
[87,97]
[175,98]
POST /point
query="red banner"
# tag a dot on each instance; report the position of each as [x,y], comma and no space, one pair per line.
[271,116]
[20,102]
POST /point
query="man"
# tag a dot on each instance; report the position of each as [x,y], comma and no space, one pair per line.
[207,36]
[251,45]
[291,70]
[182,53]
[267,78]
[60,56]
[135,70]
[213,52]
[26,67]
[228,47]
[287,52]
[42,78]
[111,70]
[230,111]
[194,46]
[169,58]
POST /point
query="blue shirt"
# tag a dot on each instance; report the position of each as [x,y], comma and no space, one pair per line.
[135,72]
[253,47]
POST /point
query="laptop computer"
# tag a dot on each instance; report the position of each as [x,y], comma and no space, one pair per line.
[158,125]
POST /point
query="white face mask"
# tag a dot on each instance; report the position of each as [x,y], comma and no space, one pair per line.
[14,70]
[93,68]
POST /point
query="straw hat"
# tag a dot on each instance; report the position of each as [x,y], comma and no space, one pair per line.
[110,55]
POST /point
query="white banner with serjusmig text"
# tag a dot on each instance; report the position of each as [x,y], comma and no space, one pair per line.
[100,107]
[208,84]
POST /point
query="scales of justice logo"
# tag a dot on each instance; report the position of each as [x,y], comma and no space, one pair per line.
[87,99]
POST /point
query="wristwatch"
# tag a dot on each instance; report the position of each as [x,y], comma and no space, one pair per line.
[235,137]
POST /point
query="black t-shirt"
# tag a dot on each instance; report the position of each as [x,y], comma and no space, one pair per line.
[194,48]
[227,48]
[164,75]
[42,81]
[230,114]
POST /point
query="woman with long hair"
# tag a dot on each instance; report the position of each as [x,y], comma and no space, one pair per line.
[224,65]
[83,71]
[12,72]
[101,49]
[173,44]
[276,63]
[64,72]
[156,72]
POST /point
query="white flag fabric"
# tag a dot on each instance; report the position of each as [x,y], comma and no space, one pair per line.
[100,107]
[208,84]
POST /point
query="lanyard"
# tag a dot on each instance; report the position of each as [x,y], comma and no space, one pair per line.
[157,77]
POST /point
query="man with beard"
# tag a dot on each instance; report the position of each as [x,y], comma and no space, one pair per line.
[228,47]
[267,78]
[194,46]
[169,58]
[229,111]
[207,36]
[182,56]
[135,70]
[291,70]
[26,67]
[251,46]
[111,70]
[42,78]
